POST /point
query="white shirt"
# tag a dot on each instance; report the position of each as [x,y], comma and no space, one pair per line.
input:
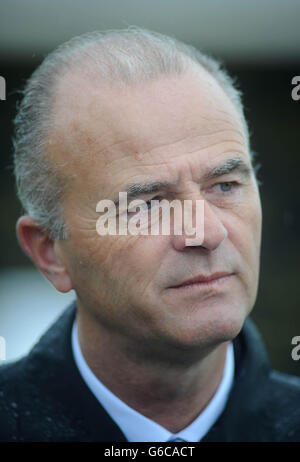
[135,426]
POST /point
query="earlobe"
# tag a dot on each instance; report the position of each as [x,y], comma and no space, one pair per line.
[38,245]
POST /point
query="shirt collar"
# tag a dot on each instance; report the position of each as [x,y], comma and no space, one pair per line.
[135,426]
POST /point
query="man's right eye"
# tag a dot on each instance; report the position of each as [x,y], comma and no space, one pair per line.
[149,204]
[145,206]
[154,202]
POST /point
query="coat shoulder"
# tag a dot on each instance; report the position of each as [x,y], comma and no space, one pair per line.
[11,377]
[285,389]
[283,405]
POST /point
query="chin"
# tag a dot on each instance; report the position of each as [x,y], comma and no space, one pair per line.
[209,326]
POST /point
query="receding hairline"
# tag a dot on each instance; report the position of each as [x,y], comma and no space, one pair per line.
[94,79]
[78,60]
[80,65]
[71,83]
[136,54]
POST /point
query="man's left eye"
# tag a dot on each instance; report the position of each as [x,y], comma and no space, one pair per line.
[226,186]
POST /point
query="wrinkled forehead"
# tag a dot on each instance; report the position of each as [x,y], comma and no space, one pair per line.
[95,121]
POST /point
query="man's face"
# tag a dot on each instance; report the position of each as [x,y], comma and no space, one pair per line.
[174,130]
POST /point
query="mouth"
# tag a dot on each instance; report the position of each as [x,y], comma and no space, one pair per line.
[204,281]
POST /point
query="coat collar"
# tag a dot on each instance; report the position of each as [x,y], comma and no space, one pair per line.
[51,368]
[245,413]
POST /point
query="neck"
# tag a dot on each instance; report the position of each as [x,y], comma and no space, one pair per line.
[171,393]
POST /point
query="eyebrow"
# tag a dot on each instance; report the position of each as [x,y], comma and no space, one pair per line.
[135,190]
[236,164]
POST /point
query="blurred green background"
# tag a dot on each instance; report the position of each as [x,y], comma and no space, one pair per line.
[260,45]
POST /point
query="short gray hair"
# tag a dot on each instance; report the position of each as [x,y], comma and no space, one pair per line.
[128,56]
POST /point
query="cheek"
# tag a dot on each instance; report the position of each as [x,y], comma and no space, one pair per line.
[244,235]
[244,232]
[254,223]
[140,258]
[124,262]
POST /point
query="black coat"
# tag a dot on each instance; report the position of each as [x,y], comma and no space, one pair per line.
[43,397]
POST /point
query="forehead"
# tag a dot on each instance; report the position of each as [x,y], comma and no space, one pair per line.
[106,128]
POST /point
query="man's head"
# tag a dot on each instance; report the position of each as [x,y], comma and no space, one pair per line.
[133,107]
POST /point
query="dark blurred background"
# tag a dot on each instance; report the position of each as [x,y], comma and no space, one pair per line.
[259,42]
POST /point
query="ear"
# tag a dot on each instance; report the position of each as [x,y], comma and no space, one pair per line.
[41,249]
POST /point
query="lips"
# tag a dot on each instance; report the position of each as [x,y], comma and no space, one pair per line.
[202,278]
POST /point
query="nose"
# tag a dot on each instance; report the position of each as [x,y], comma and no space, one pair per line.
[213,232]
